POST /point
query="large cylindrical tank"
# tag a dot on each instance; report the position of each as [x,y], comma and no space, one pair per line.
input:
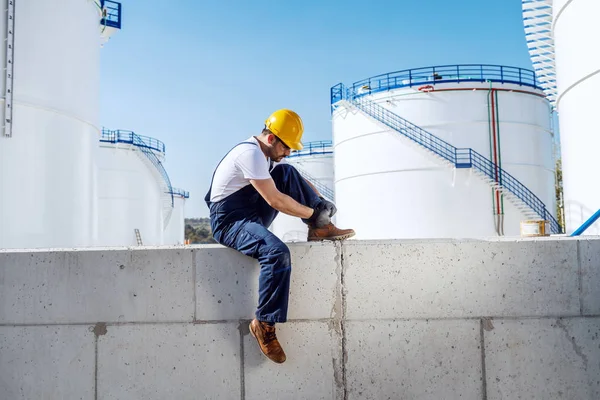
[576,38]
[175,230]
[315,163]
[129,190]
[387,186]
[46,166]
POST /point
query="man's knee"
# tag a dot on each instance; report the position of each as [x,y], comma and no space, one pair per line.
[283,171]
[280,253]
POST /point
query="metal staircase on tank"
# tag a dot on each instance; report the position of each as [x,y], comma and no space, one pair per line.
[319,148]
[523,198]
[321,187]
[537,20]
[148,148]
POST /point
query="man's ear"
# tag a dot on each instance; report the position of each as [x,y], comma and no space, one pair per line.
[271,138]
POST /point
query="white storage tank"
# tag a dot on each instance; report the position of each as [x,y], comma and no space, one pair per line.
[388,186]
[175,230]
[315,163]
[50,90]
[576,37]
[131,190]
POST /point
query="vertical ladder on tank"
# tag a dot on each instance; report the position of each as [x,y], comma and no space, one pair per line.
[8,77]
[138,237]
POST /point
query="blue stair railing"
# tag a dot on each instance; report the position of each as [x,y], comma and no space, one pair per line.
[590,221]
[123,136]
[321,147]
[459,157]
[148,146]
[181,193]
[321,187]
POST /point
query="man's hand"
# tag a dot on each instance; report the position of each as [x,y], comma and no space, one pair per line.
[329,206]
[320,216]
[279,201]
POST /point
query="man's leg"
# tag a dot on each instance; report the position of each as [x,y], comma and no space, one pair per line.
[254,240]
[289,181]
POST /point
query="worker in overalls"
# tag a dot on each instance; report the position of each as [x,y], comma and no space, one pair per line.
[250,186]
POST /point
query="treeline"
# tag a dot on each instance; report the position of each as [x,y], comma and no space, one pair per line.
[197,231]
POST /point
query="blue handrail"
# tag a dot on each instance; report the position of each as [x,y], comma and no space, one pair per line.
[321,187]
[122,136]
[146,146]
[460,157]
[586,224]
[313,148]
[180,193]
[440,74]
[111,13]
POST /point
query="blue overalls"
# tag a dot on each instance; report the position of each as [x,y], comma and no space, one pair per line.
[240,221]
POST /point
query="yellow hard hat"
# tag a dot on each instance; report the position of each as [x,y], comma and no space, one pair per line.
[287,126]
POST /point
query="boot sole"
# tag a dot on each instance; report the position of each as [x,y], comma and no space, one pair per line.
[333,238]
[260,348]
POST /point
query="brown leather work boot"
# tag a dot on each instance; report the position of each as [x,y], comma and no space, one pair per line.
[267,340]
[329,232]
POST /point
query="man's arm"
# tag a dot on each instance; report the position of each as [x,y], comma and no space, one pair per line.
[280,201]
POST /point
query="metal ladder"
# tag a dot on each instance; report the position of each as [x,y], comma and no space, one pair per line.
[138,237]
[8,77]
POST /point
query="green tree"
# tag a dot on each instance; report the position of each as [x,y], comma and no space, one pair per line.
[560,206]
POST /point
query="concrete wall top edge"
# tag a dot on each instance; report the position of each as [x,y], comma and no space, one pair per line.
[556,238]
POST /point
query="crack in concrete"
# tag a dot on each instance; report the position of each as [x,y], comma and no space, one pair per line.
[244,330]
[482,328]
[576,348]
[337,325]
[343,324]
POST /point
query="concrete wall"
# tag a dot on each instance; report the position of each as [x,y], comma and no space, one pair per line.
[406,319]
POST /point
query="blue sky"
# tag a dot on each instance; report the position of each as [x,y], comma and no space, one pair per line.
[202,75]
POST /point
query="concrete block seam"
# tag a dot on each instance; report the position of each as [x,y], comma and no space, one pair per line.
[470,318]
[580,277]
[484,323]
[243,325]
[194,288]
[343,323]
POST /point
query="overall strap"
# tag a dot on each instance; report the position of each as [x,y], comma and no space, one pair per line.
[207,197]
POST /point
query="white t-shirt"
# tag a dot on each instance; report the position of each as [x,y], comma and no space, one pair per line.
[246,161]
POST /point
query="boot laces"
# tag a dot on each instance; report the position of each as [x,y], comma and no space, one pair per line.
[269,334]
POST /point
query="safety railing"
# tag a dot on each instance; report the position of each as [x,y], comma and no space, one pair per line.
[590,221]
[459,157]
[321,187]
[314,148]
[147,146]
[111,13]
[121,136]
[439,74]
[180,193]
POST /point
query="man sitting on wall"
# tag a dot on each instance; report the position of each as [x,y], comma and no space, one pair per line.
[250,186]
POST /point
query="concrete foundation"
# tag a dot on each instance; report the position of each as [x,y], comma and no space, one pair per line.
[409,319]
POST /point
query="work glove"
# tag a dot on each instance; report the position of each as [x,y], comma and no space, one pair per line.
[329,206]
[320,216]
